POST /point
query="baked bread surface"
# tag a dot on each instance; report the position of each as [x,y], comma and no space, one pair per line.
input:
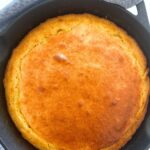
[77,82]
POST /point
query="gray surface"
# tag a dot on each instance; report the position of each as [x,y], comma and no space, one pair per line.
[125,3]
[16,6]
[1,148]
[13,9]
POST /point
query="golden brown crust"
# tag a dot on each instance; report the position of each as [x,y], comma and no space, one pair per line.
[117,58]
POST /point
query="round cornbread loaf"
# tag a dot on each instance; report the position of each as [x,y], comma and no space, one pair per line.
[77,82]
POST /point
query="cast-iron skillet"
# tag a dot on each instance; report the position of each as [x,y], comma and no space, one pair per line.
[9,135]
